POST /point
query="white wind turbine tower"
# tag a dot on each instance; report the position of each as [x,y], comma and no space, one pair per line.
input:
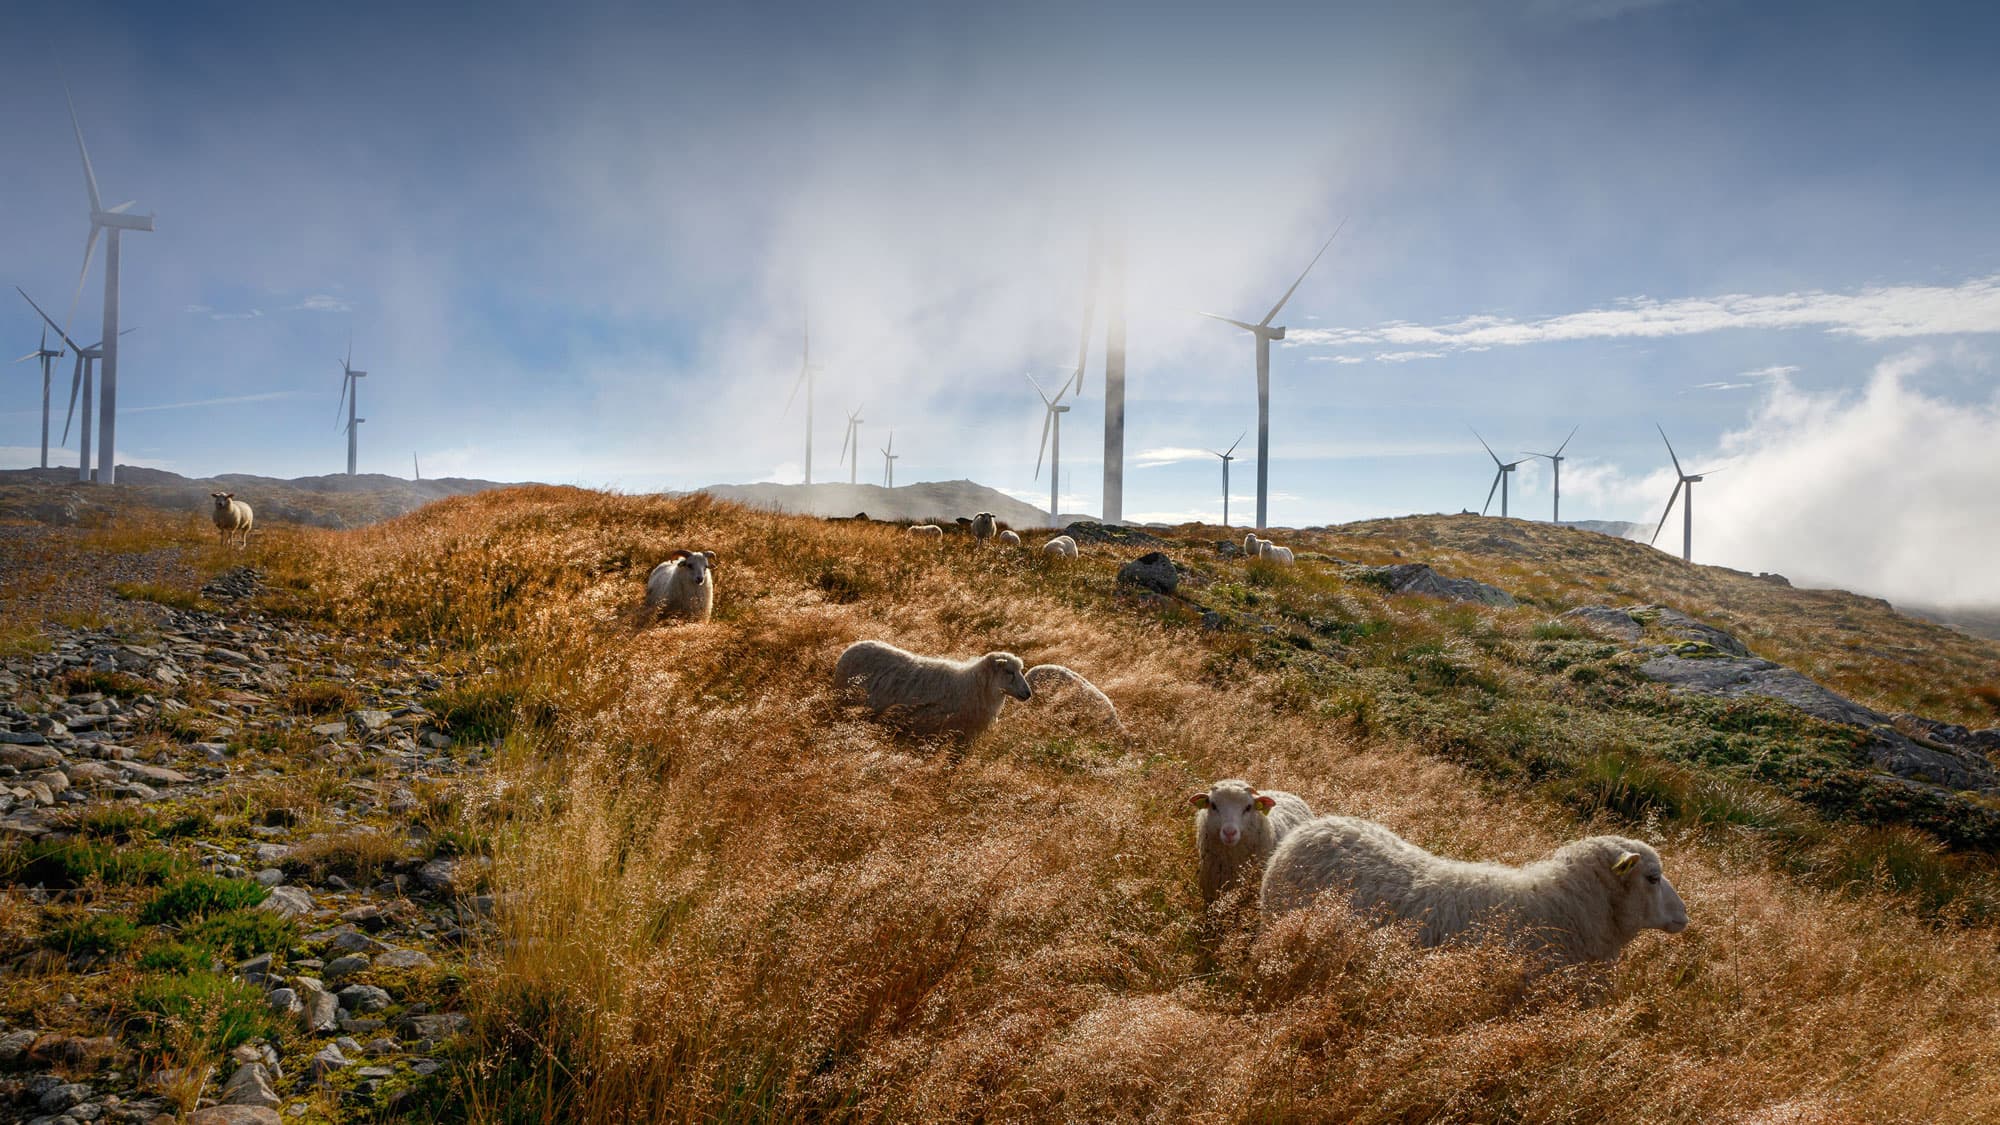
[1685,480]
[48,356]
[1502,470]
[350,397]
[80,379]
[117,222]
[852,441]
[889,462]
[1555,462]
[805,380]
[1226,459]
[1265,332]
[1051,427]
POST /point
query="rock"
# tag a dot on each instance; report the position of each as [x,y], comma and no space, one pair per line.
[404,959]
[270,853]
[234,1115]
[345,966]
[284,1001]
[370,721]
[1229,548]
[354,941]
[330,730]
[60,1098]
[328,1060]
[1614,623]
[292,902]
[89,773]
[1090,531]
[319,1009]
[1416,578]
[1679,624]
[1154,571]
[250,1085]
[437,1026]
[158,775]
[364,998]
[269,876]
[14,1044]
[30,757]
[440,876]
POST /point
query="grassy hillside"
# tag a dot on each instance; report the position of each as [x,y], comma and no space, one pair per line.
[725,897]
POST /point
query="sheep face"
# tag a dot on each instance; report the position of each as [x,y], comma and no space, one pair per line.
[1010,673]
[222,500]
[1645,899]
[1230,805]
[696,563]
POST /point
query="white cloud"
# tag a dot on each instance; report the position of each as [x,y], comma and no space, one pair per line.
[1335,359]
[1770,372]
[322,302]
[267,396]
[1721,386]
[1405,357]
[247,314]
[1168,455]
[1878,313]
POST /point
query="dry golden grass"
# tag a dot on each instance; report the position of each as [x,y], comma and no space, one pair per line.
[725,898]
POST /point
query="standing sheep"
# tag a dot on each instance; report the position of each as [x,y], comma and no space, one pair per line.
[1253,547]
[929,531]
[231,516]
[927,695]
[1582,904]
[1236,827]
[984,527]
[681,586]
[1061,546]
[1055,682]
[1257,548]
[1010,539]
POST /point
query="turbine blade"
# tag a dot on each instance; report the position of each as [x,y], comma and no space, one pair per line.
[1491,491]
[1489,449]
[844,443]
[89,176]
[1272,315]
[89,251]
[1244,325]
[1038,388]
[795,389]
[75,384]
[1565,444]
[1675,495]
[1083,338]
[1042,450]
[30,355]
[122,207]
[1670,450]
[46,318]
[1237,442]
[345,382]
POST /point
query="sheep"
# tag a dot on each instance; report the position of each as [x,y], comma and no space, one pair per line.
[1229,838]
[1253,547]
[1057,682]
[1256,548]
[983,527]
[681,586]
[1061,546]
[929,695]
[1581,905]
[1010,539]
[231,516]
[927,531]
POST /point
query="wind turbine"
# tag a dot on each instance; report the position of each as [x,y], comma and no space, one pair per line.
[80,379]
[1501,471]
[806,370]
[853,439]
[48,356]
[1226,459]
[1685,480]
[1051,426]
[889,462]
[350,397]
[416,467]
[1556,462]
[1265,332]
[117,222]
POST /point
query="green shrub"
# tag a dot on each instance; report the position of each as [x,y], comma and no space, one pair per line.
[62,864]
[217,1012]
[91,933]
[179,958]
[236,934]
[199,896]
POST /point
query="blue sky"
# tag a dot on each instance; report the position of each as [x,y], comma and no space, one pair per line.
[577,245]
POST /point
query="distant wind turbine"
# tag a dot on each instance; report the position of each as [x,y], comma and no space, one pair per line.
[1503,469]
[1051,427]
[806,370]
[852,442]
[80,379]
[350,397]
[117,222]
[1556,462]
[1685,480]
[1265,332]
[48,356]
[889,462]
[416,467]
[1226,459]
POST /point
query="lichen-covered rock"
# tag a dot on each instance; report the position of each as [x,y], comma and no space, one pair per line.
[1416,578]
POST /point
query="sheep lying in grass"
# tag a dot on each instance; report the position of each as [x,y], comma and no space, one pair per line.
[927,531]
[928,695]
[1061,545]
[983,527]
[231,516]
[682,586]
[1010,539]
[1237,827]
[1059,685]
[1582,904]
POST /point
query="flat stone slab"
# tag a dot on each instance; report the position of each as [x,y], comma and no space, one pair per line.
[1416,578]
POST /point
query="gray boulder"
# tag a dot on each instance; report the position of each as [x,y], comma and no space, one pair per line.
[1154,571]
[1416,578]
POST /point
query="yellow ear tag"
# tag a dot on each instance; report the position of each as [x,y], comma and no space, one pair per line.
[1625,862]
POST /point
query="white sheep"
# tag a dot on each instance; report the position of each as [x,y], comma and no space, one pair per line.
[927,531]
[1237,827]
[928,695]
[683,586]
[1582,904]
[1062,546]
[1010,539]
[231,516]
[1259,548]
[1057,683]
[984,527]
[1253,547]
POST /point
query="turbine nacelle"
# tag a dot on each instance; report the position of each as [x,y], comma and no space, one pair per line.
[118,220]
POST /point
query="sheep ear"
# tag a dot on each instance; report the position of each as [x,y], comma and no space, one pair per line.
[1199,800]
[1625,862]
[1264,803]
[710,556]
